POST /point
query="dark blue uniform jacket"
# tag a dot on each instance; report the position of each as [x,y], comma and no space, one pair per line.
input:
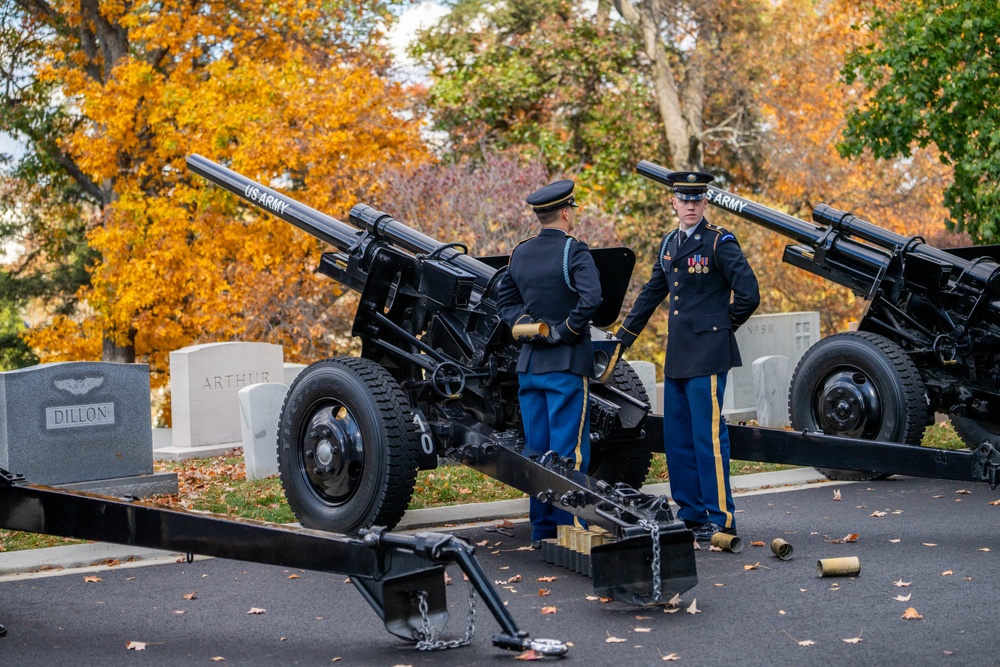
[697,282]
[552,278]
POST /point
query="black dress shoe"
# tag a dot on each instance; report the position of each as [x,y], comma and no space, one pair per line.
[536,544]
[704,534]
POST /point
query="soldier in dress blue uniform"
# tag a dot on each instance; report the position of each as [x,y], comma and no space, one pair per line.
[552,279]
[710,291]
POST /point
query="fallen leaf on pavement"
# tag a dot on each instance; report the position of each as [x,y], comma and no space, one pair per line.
[836,494]
[877,514]
[256,611]
[675,601]
[947,573]
[929,544]
[613,640]
[911,613]
[850,537]
[902,598]
[994,502]
[758,543]
[853,640]
[546,579]
[91,579]
[895,541]
[751,567]
[549,610]
[806,642]
[963,491]
[544,591]
[901,583]
[671,657]
[530,654]
[191,596]
[218,658]
[135,646]
[528,548]
[714,548]
[293,576]
[483,543]
[179,611]
[693,609]
[983,549]
[642,629]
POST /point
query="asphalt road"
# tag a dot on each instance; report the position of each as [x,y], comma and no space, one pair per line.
[940,541]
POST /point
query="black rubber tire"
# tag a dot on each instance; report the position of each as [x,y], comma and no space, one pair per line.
[862,385]
[630,467]
[974,432]
[351,415]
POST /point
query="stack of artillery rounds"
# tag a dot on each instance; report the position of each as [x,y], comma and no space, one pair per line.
[571,547]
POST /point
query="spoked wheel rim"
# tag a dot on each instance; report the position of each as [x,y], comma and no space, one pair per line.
[847,403]
[333,453]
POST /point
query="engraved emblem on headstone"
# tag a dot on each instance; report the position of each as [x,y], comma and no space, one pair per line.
[79,387]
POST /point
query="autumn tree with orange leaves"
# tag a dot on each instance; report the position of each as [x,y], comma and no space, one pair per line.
[290,93]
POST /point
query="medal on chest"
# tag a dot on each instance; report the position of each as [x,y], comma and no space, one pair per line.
[698,264]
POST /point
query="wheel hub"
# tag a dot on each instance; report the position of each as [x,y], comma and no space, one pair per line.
[848,404]
[333,453]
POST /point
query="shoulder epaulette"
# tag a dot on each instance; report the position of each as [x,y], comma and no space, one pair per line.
[516,246]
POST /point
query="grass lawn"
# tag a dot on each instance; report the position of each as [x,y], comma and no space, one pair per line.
[220,485]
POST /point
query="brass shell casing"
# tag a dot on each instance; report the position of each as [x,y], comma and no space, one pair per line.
[848,566]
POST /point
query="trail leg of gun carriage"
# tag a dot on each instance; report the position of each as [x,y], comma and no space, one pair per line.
[400,576]
[437,377]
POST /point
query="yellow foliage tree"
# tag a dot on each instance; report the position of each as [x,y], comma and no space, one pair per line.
[804,102]
[290,93]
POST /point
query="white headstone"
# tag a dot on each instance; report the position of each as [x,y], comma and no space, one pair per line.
[785,334]
[292,371]
[771,378]
[260,407]
[205,381]
[646,371]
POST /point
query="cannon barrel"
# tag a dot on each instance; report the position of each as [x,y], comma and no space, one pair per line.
[863,262]
[330,230]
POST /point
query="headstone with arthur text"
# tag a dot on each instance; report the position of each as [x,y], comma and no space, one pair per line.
[72,422]
[205,381]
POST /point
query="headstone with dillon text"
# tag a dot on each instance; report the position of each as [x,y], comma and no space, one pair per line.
[81,423]
[205,381]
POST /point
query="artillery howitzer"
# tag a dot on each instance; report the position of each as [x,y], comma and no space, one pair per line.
[927,342]
[437,378]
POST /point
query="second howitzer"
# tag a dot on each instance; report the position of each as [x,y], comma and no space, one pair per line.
[927,342]
[437,377]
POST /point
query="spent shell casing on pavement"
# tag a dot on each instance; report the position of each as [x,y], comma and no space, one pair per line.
[781,548]
[727,542]
[846,566]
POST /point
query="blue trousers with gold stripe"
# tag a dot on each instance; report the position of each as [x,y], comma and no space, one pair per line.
[555,409]
[697,446]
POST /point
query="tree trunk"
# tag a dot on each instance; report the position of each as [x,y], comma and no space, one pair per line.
[682,143]
[119,354]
